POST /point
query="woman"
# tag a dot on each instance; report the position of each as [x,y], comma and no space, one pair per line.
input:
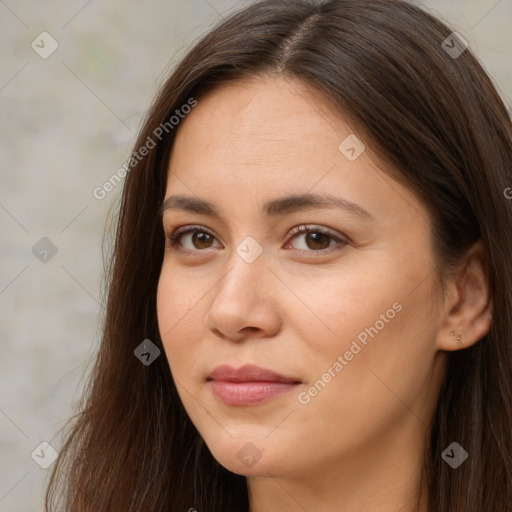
[309,300]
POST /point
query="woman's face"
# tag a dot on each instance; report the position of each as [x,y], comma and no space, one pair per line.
[345,310]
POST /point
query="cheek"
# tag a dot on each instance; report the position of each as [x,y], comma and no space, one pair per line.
[336,310]
[381,357]
[180,296]
[177,308]
[166,304]
[361,322]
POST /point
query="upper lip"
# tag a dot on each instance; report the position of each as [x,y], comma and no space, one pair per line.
[247,373]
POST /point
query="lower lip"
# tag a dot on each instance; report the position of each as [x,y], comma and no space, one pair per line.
[249,393]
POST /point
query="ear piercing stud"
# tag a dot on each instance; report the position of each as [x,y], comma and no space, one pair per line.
[458,339]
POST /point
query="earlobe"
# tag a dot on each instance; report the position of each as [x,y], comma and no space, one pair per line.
[467,316]
[458,337]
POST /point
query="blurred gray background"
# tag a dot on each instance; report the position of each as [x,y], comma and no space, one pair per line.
[69,119]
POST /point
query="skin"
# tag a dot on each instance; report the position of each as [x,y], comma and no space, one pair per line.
[359,441]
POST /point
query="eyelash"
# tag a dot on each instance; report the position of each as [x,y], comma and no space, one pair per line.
[175,236]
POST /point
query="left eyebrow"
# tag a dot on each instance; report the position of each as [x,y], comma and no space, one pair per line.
[276,207]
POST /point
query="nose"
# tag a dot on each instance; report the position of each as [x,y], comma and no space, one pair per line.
[245,303]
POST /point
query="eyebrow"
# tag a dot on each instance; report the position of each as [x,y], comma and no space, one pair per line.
[275,207]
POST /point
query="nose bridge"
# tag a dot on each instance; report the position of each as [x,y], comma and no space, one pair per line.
[247,265]
[242,298]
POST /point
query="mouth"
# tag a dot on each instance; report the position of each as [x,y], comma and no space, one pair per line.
[248,385]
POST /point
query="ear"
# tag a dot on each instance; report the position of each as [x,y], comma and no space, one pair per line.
[467,309]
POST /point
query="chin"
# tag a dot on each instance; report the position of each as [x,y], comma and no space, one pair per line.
[248,455]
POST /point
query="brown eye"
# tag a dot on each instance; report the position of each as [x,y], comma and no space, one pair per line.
[200,238]
[316,240]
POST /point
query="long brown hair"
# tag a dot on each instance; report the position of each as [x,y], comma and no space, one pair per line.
[437,119]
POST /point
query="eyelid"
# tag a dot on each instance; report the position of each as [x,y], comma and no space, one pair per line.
[174,236]
[306,228]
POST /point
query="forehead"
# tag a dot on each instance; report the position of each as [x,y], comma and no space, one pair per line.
[269,109]
[270,126]
[270,136]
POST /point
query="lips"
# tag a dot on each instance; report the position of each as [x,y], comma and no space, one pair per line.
[248,385]
[248,373]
